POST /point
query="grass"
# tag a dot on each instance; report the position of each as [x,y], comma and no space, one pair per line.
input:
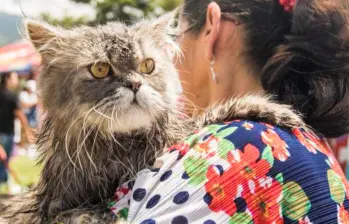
[25,169]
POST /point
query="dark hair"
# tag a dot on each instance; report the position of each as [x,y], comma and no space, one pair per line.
[4,76]
[302,56]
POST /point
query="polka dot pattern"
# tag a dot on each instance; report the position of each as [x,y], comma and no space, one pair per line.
[240,204]
[220,169]
[149,221]
[139,194]
[181,197]
[153,201]
[208,199]
[180,156]
[155,170]
[185,176]
[209,222]
[130,184]
[165,176]
[180,220]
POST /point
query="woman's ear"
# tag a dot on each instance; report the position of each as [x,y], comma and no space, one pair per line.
[211,29]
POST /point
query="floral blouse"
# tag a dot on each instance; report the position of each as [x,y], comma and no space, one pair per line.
[239,172]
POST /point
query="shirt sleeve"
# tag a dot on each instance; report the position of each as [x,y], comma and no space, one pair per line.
[15,102]
[239,172]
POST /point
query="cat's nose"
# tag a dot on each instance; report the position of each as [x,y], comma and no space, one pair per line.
[135,85]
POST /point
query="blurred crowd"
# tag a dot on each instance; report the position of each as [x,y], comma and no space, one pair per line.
[18,118]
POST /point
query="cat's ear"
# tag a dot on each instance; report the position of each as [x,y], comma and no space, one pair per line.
[40,33]
[167,22]
[166,28]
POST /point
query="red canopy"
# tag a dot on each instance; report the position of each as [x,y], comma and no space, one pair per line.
[19,56]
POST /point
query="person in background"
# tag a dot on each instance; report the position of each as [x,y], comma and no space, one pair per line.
[10,109]
[29,100]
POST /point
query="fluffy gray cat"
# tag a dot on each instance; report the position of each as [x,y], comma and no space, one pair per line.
[110,95]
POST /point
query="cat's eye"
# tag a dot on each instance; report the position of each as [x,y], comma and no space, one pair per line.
[100,70]
[147,66]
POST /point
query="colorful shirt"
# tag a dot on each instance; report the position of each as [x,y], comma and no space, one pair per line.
[239,172]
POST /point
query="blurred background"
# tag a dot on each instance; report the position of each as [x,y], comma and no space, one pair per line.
[20,67]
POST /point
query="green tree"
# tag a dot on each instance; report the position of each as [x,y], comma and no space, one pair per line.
[129,10]
[67,21]
[122,10]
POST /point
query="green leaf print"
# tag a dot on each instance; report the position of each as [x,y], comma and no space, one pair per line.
[123,214]
[241,218]
[268,155]
[226,132]
[336,187]
[295,203]
[280,178]
[212,129]
[196,169]
[224,147]
[192,140]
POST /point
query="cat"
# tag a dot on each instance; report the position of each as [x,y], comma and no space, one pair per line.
[110,98]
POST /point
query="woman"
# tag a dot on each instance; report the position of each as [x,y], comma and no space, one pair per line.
[10,109]
[244,171]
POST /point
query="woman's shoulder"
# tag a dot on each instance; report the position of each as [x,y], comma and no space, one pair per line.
[240,171]
[239,133]
[281,147]
[290,168]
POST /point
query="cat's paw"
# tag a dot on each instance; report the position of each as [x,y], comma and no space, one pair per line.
[255,108]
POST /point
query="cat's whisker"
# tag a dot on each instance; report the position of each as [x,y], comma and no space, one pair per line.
[67,140]
[83,144]
[78,139]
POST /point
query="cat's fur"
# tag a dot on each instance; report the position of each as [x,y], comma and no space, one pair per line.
[95,136]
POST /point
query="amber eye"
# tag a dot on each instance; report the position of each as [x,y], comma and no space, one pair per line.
[147,66]
[100,70]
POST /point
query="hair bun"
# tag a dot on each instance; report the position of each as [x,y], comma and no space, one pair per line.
[311,69]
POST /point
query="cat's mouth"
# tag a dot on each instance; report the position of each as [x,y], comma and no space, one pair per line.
[134,101]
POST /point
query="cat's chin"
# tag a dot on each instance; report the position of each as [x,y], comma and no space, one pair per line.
[130,113]
[135,119]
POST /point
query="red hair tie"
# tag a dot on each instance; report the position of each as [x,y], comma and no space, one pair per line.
[287,4]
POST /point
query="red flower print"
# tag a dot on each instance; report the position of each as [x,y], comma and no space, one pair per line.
[305,142]
[326,148]
[208,148]
[279,147]
[268,125]
[321,145]
[248,126]
[182,148]
[222,189]
[247,163]
[265,203]
[343,215]
[121,192]
[312,142]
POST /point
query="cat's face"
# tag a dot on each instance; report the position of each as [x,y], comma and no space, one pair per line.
[113,77]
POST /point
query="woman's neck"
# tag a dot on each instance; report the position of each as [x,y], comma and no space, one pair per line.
[238,80]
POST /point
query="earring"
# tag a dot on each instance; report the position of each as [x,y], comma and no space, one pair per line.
[214,77]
